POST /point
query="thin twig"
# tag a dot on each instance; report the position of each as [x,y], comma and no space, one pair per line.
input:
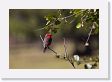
[89,35]
[42,40]
[52,50]
[40,29]
[65,17]
[65,48]
[71,63]
[67,54]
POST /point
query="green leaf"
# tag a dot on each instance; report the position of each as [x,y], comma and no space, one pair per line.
[56,28]
[57,22]
[78,25]
[54,31]
[47,22]
[49,17]
[96,25]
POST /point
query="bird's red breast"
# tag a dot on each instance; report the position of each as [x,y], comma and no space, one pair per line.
[48,35]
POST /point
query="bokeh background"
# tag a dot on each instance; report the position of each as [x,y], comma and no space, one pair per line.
[26,50]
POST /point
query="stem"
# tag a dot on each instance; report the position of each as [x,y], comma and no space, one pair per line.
[89,35]
[71,63]
[42,40]
[52,50]
[40,29]
[66,17]
[65,48]
[67,54]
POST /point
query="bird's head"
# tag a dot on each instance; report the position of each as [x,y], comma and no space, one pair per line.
[49,35]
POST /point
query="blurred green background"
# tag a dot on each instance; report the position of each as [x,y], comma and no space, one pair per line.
[26,50]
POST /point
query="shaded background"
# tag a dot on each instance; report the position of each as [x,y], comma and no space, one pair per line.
[26,50]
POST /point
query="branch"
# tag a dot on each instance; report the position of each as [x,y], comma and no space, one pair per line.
[89,36]
[71,63]
[52,50]
[65,48]
[42,40]
[66,55]
[40,29]
[66,17]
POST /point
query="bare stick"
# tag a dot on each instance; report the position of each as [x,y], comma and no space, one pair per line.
[71,63]
[66,55]
[40,29]
[66,17]
[65,48]
[89,35]
[42,40]
[52,50]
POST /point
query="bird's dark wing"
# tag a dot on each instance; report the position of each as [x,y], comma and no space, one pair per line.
[50,40]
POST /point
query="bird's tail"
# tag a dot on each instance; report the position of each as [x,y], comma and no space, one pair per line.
[44,49]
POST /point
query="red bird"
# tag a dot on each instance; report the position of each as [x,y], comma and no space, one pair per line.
[47,41]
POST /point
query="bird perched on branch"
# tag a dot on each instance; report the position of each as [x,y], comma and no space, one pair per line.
[47,41]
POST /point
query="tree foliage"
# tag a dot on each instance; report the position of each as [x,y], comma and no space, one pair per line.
[86,18]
